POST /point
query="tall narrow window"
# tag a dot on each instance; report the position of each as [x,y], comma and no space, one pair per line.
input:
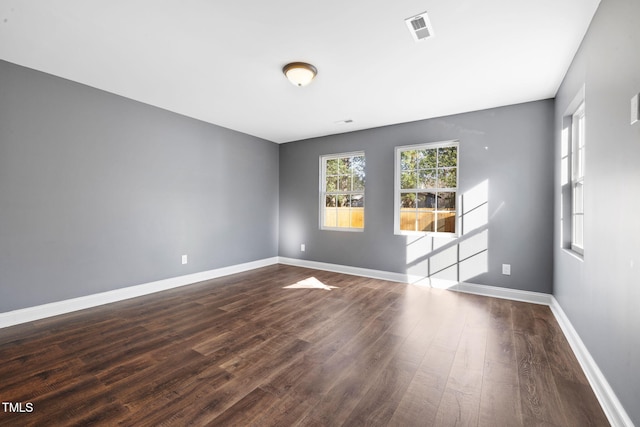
[426,188]
[342,181]
[577,179]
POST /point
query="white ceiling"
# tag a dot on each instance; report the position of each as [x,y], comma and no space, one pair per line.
[221,61]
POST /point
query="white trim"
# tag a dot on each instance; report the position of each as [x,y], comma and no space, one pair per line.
[577,176]
[349,230]
[323,189]
[29,314]
[611,406]
[469,288]
[573,254]
[504,293]
[578,250]
[435,144]
[578,99]
[397,191]
[345,269]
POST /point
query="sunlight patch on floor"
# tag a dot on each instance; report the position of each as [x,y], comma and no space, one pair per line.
[310,283]
[436,283]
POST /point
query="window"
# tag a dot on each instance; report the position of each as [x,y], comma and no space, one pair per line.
[426,188]
[342,180]
[577,179]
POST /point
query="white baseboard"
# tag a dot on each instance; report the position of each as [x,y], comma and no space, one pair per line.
[612,407]
[606,396]
[470,288]
[504,293]
[67,306]
[345,269]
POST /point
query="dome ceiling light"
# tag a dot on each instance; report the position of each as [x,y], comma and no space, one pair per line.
[300,73]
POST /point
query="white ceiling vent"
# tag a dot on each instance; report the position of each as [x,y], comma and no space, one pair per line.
[419,26]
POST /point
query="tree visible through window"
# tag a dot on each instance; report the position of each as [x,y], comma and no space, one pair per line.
[426,188]
[342,191]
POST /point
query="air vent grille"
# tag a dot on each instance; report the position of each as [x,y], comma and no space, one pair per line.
[419,26]
[418,23]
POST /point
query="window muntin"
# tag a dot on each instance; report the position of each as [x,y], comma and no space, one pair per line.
[577,179]
[342,186]
[426,188]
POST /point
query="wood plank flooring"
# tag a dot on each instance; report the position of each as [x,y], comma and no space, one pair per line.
[245,350]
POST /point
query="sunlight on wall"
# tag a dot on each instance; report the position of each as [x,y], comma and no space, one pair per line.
[444,262]
[310,283]
[474,256]
[475,207]
[417,247]
[474,245]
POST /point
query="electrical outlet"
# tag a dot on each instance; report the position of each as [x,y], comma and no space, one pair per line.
[302,248]
[184,259]
[506,269]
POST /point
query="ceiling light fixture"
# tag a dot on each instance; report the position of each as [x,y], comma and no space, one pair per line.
[300,73]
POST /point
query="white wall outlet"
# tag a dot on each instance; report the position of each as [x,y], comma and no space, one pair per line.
[635,108]
[302,248]
[506,269]
[184,259]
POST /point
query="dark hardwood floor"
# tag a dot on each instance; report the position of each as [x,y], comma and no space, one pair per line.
[244,350]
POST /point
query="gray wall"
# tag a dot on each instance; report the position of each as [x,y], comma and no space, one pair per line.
[600,294]
[100,192]
[506,182]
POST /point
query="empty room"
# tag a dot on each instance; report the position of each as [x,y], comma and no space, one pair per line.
[417,213]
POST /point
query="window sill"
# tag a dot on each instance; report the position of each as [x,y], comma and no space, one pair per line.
[574,254]
[350,230]
[426,234]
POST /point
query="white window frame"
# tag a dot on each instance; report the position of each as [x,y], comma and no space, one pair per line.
[577,178]
[397,190]
[323,190]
